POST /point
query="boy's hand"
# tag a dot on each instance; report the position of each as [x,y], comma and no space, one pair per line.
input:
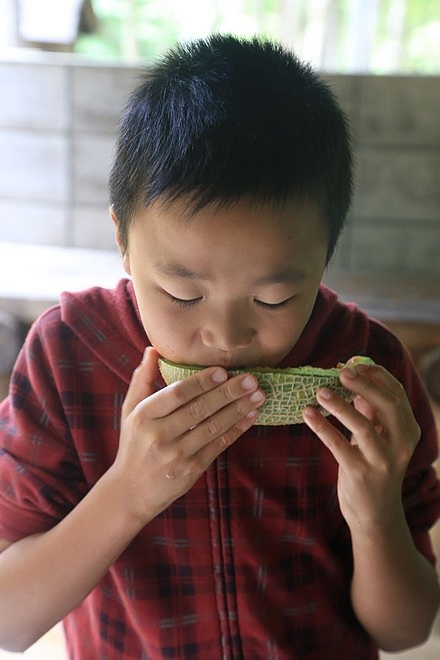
[170,436]
[384,436]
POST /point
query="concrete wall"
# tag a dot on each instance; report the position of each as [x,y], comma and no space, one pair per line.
[58,122]
[58,119]
[395,220]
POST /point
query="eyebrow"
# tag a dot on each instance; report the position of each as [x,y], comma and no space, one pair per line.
[287,275]
[177,270]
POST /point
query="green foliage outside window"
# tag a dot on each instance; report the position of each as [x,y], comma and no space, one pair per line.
[397,35]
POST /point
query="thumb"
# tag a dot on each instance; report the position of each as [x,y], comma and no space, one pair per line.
[143,381]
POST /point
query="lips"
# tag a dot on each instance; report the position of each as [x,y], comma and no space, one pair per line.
[226,362]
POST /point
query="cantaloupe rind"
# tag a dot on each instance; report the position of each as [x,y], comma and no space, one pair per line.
[288,391]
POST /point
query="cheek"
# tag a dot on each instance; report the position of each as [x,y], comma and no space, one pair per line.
[166,331]
[156,323]
[287,335]
[277,336]
[288,330]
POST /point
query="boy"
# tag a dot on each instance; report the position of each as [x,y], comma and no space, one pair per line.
[173,527]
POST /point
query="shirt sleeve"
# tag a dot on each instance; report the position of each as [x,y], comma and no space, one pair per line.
[40,476]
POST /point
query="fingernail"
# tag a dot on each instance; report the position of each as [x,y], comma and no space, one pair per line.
[256,397]
[307,412]
[219,376]
[248,383]
[362,369]
[349,373]
[325,393]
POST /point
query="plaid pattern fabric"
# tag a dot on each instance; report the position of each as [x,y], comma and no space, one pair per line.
[255,561]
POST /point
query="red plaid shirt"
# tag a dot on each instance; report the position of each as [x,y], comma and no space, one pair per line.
[255,561]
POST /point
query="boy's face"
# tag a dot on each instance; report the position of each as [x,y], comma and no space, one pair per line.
[226,286]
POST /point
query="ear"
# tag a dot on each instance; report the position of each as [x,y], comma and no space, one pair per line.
[119,242]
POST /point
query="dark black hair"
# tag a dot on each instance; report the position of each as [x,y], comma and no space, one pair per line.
[221,118]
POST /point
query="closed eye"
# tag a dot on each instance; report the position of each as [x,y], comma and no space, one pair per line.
[273,306]
[183,302]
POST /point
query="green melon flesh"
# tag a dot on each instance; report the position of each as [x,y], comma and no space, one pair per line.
[288,391]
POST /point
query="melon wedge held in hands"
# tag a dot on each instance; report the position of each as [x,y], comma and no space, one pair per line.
[288,391]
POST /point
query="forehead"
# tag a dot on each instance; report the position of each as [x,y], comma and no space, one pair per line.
[261,240]
[294,221]
[246,244]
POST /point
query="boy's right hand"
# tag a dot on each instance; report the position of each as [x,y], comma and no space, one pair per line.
[170,436]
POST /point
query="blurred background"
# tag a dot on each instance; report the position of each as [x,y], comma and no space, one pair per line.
[66,68]
[379,36]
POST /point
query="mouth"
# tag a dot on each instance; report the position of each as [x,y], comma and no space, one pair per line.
[227,362]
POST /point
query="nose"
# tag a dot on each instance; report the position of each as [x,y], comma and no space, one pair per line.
[228,331]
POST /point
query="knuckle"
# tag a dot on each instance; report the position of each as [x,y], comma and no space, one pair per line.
[214,427]
[171,461]
[197,409]
[365,386]
[177,390]
[407,448]
[137,371]
[193,386]
[240,409]
[228,392]
[395,399]
[241,426]
[227,438]
[360,474]
[321,425]
[223,442]
[137,419]
[202,382]
[157,444]
[365,428]
[383,466]
[192,469]
[176,455]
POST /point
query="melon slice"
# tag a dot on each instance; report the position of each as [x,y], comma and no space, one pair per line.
[288,391]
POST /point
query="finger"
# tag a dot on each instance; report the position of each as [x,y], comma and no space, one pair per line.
[365,408]
[203,449]
[328,434]
[220,422]
[372,382]
[180,393]
[200,441]
[386,396]
[210,451]
[224,405]
[362,429]
[369,412]
[143,381]
[388,444]
[235,398]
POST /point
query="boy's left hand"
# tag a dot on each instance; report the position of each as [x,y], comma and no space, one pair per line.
[384,434]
